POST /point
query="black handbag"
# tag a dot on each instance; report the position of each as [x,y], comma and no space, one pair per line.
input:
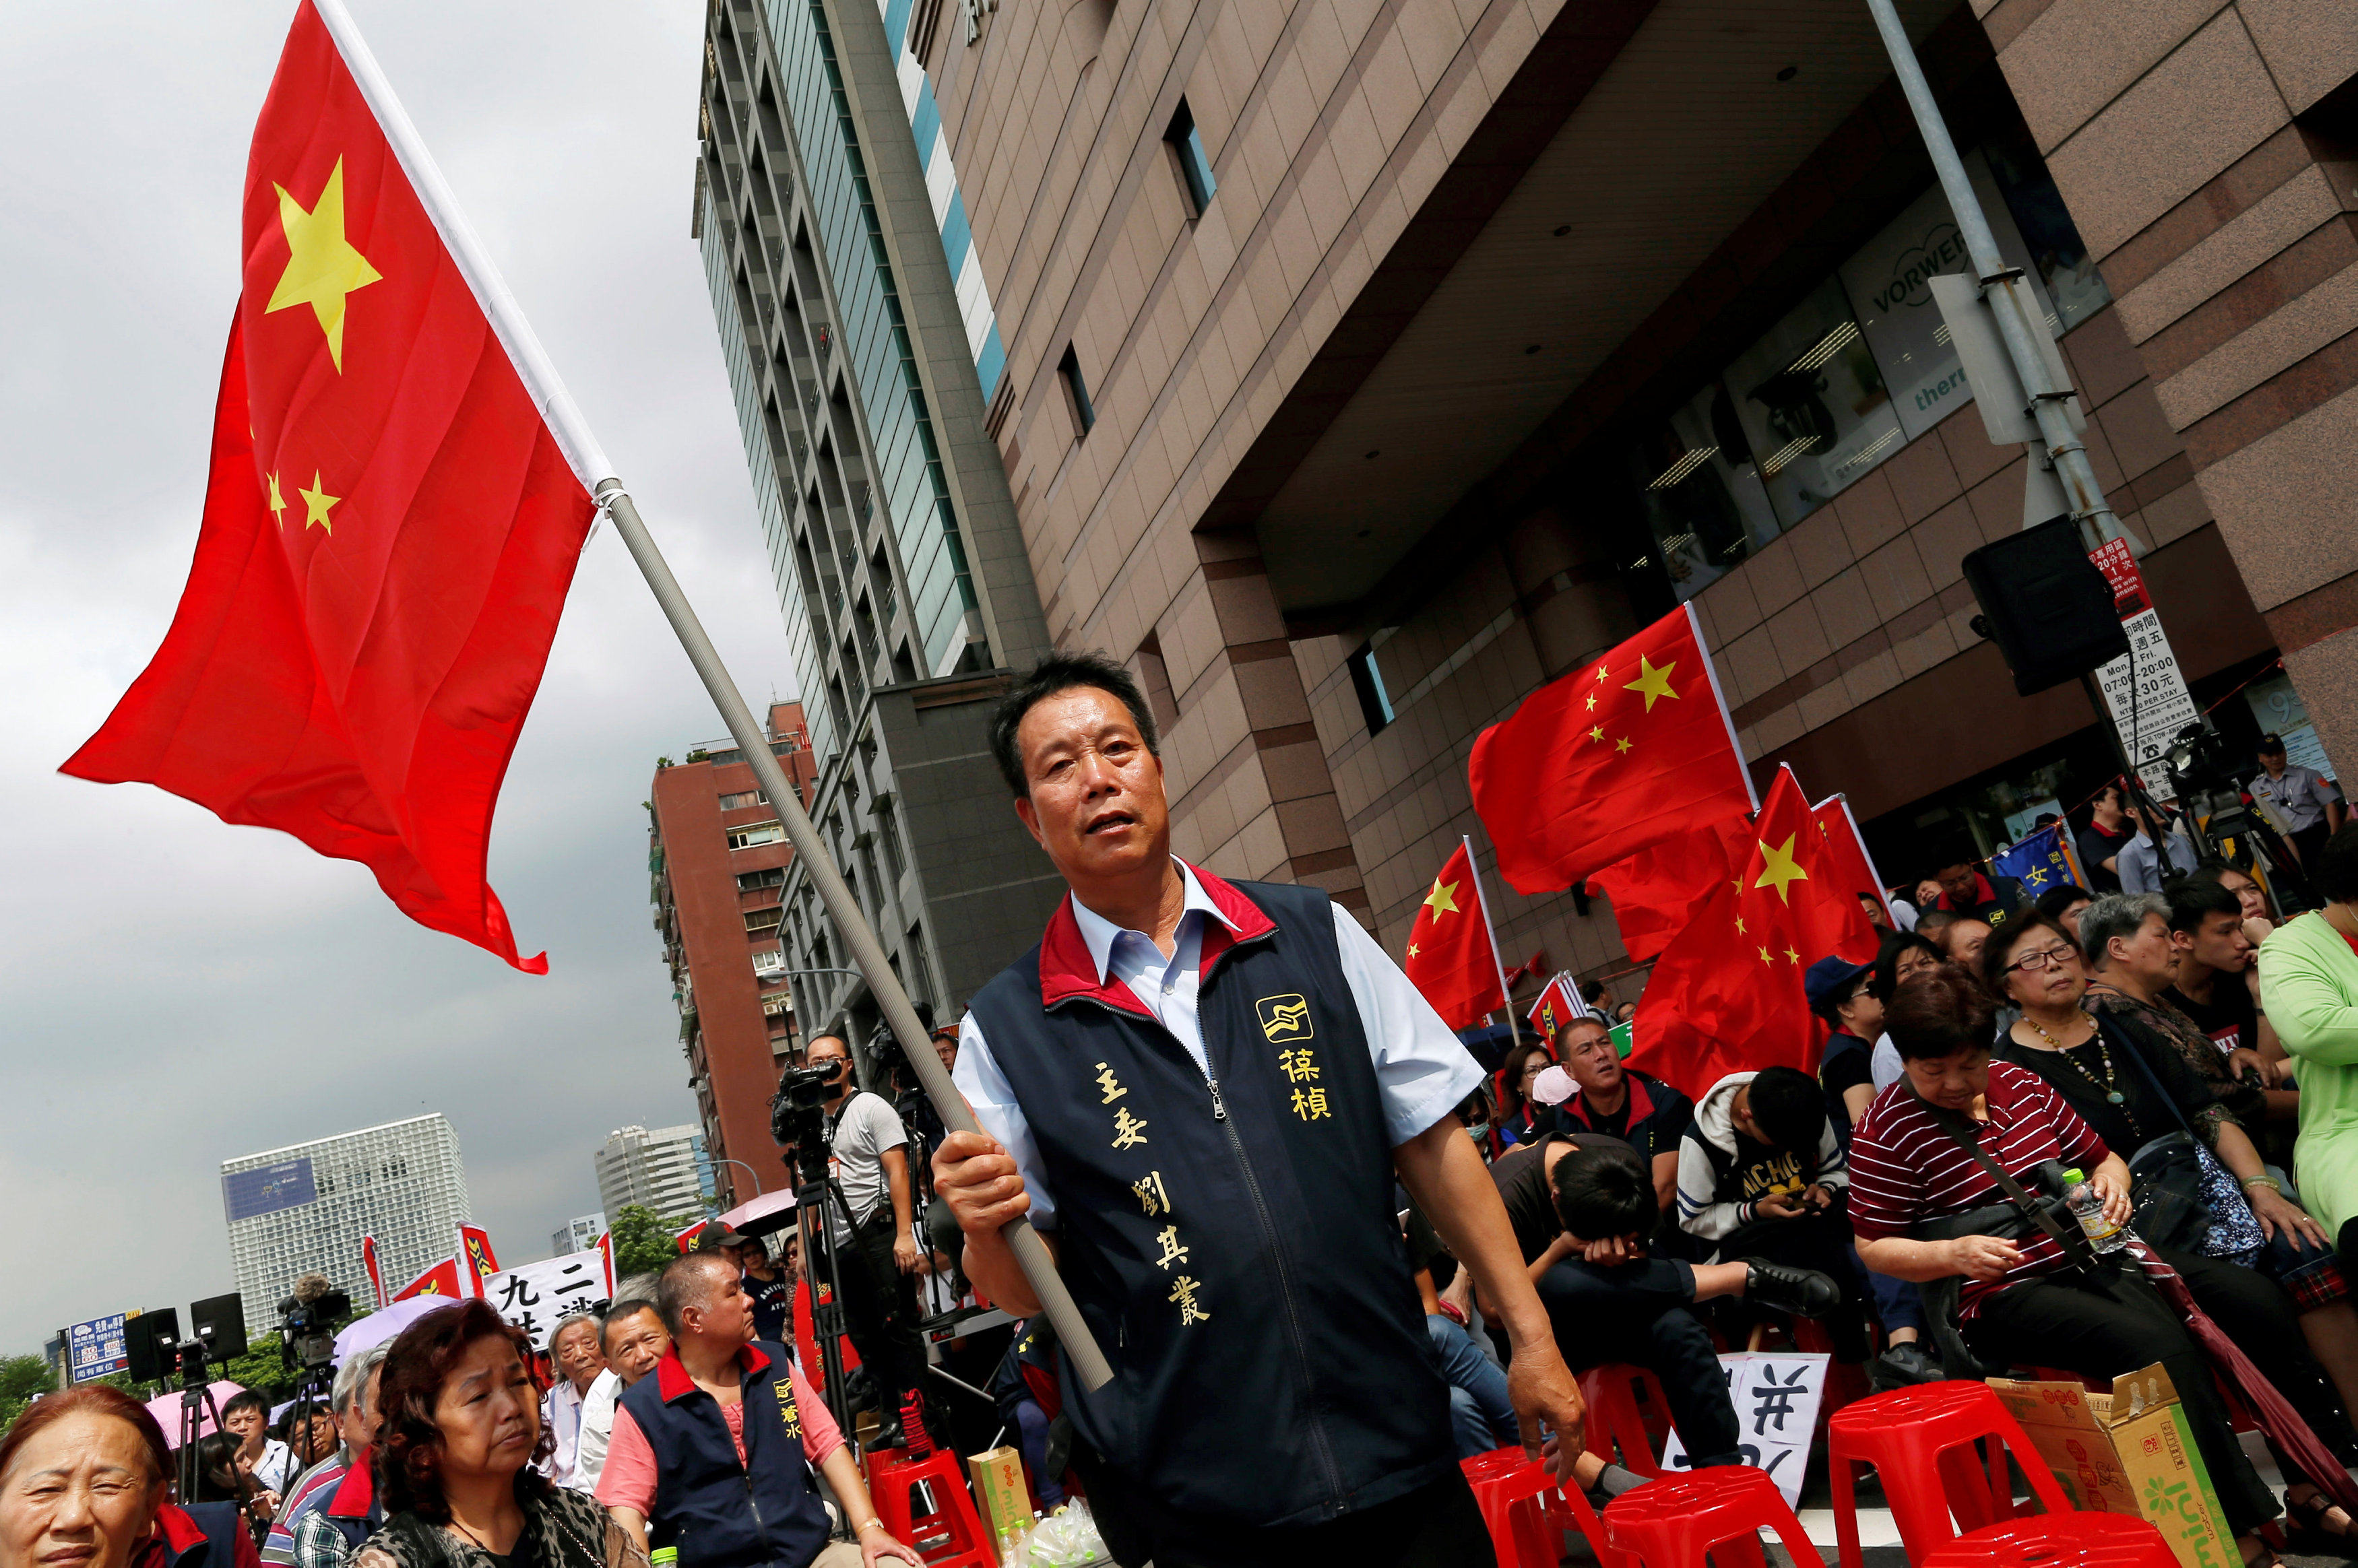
[2165,1173]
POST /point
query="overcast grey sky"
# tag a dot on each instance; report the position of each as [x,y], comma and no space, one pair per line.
[176,990]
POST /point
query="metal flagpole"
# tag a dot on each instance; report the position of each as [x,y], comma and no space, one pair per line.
[1498,965]
[2005,289]
[589,464]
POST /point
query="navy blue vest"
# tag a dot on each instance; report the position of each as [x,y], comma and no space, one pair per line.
[1235,1249]
[720,1513]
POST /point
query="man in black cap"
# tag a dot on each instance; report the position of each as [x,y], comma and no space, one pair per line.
[2310,806]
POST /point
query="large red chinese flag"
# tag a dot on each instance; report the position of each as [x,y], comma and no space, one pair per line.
[1595,766]
[442,1280]
[389,531]
[1449,957]
[1727,995]
[1658,889]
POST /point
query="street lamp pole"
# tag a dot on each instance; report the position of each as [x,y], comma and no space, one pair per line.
[748,1170]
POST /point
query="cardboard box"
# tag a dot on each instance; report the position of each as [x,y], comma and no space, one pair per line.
[999,1487]
[2129,1452]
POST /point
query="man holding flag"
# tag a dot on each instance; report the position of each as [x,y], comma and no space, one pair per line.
[1208,1089]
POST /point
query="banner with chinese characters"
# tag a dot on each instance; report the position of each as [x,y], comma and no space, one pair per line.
[2143,688]
[1776,1398]
[537,1295]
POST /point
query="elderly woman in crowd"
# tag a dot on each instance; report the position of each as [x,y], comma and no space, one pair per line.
[2308,986]
[1917,1161]
[459,1430]
[2123,1059]
[85,1482]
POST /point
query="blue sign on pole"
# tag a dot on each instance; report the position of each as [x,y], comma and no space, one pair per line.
[95,1348]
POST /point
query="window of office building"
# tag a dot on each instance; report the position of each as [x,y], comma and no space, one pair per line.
[1860,367]
[1186,145]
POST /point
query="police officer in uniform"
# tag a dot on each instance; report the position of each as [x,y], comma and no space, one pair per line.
[1202,1093]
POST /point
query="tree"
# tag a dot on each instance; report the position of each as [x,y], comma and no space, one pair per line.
[21,1377]
[643,1239]
[262,1368]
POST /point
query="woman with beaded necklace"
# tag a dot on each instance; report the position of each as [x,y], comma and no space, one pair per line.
[2116,1081]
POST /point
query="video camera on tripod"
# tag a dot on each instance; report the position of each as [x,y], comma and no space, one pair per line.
[2203,770]
[308,1324]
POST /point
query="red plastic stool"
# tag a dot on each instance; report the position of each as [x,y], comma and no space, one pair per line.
[1521,1504]
[1924,1442]
[1614,1419]
[2058,1541]
[892,1476]
[1674,1523]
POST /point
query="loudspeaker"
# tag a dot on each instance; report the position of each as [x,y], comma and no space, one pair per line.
[222,1318]
[2048,607]
[144,1340]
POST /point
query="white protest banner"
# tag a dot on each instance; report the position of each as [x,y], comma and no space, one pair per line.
[1776,1401]
[537,1295]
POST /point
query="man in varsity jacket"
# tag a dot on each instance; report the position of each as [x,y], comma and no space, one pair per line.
[1202,1093]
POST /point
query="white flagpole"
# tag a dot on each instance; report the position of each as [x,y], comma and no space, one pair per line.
[1734,747]
[596,475]
[1498,965]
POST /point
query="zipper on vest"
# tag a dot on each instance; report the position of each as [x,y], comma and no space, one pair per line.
[1285,1292]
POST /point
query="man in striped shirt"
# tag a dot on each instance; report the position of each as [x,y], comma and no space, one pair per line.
[2021,1303]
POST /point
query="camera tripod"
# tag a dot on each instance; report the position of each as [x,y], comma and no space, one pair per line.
[198,1407]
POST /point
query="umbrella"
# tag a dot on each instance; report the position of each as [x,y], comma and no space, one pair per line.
[762,1215]
[166,1410]
[384,1322]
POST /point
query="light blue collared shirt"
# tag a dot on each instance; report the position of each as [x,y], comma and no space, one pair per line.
[1423,1071]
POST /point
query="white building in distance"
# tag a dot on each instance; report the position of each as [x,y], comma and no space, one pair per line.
[666,1170]
[577,1235]
[304,1208]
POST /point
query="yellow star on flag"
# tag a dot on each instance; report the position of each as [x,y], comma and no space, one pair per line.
[1739,926]
[1592,702]
[278,502]
[1600,672]
[1412,949]
[1653,682]
[1764,955]
[1778,869]
[1439,900]
[1790,954]
[1596,732]
[322,267]
[316,501]
[1622,744]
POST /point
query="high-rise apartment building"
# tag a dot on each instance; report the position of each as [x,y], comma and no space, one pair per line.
[861,347]
[666,1170]
[304,1208]
[1368,366]
[578,1234]
[719,858]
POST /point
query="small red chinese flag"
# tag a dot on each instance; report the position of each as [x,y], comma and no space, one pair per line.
[1658,889]
[1727,995]
[475,1248]
[442,1280]
[1449,955]
[606,1258]
[376,1273]
[1595,766]
[389,531]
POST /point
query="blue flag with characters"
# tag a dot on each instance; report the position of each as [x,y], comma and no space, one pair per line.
[2040,861]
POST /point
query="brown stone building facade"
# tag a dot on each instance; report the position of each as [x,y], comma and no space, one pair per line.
[1370,363]
[717,863]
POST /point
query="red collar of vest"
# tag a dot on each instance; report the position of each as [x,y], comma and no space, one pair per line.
[178,1530]
[356,1493]
[1066,971]
[673,1381]
[1640,1105]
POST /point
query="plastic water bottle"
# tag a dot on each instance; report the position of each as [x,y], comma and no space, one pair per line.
[2087,1206]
